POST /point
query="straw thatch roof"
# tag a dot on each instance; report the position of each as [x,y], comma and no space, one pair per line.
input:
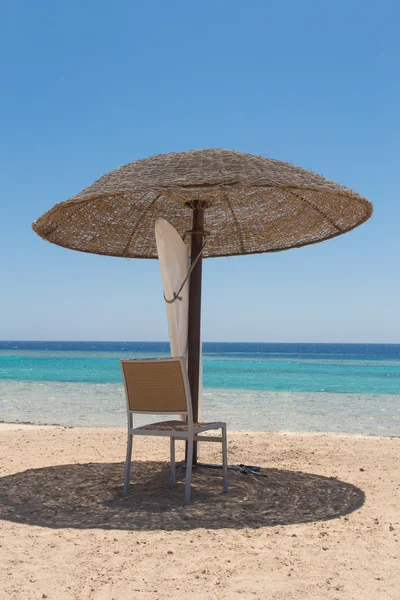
[253,204]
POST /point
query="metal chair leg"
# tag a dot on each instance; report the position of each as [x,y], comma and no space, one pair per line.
[128,465]
[173,465]
[224,459]
[189,461]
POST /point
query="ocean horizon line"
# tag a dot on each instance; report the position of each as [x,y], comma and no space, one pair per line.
[59,341]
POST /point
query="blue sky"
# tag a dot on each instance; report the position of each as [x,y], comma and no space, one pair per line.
[88,86]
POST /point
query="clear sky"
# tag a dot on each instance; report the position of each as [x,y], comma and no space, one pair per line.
[88,86]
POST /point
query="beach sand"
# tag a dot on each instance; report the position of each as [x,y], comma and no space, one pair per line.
[322,520]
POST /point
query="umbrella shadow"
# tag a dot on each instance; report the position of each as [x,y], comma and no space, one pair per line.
[84,496]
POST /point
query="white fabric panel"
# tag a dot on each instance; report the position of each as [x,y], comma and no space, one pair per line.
[174,265]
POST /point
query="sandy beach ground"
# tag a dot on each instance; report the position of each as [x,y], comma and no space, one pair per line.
[321,521]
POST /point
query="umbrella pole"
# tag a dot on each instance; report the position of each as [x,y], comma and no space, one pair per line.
[194,331]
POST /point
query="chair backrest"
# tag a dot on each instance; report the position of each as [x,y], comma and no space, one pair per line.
[156,386]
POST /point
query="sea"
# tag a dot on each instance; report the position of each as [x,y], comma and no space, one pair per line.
[335,388]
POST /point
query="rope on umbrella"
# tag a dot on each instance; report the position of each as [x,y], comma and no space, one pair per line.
[176,295]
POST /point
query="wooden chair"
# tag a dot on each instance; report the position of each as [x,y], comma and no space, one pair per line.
[160,386]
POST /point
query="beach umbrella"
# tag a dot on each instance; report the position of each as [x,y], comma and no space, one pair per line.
[222,202]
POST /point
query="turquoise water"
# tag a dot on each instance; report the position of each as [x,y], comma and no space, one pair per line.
[349,388]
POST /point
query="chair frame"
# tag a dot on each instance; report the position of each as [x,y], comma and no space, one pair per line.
[190,435]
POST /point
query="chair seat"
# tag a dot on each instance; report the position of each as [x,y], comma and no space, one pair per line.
[179,426]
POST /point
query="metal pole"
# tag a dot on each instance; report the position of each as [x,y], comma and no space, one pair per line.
[194,336]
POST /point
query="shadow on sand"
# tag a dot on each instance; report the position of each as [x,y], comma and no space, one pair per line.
[90,496]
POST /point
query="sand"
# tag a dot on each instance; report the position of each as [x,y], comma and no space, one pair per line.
[322,520]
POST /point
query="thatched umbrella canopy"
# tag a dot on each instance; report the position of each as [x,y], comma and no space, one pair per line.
[245,204]
[252,204]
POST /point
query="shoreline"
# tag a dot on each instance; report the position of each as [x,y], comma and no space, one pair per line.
[339,413]
[16,425]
